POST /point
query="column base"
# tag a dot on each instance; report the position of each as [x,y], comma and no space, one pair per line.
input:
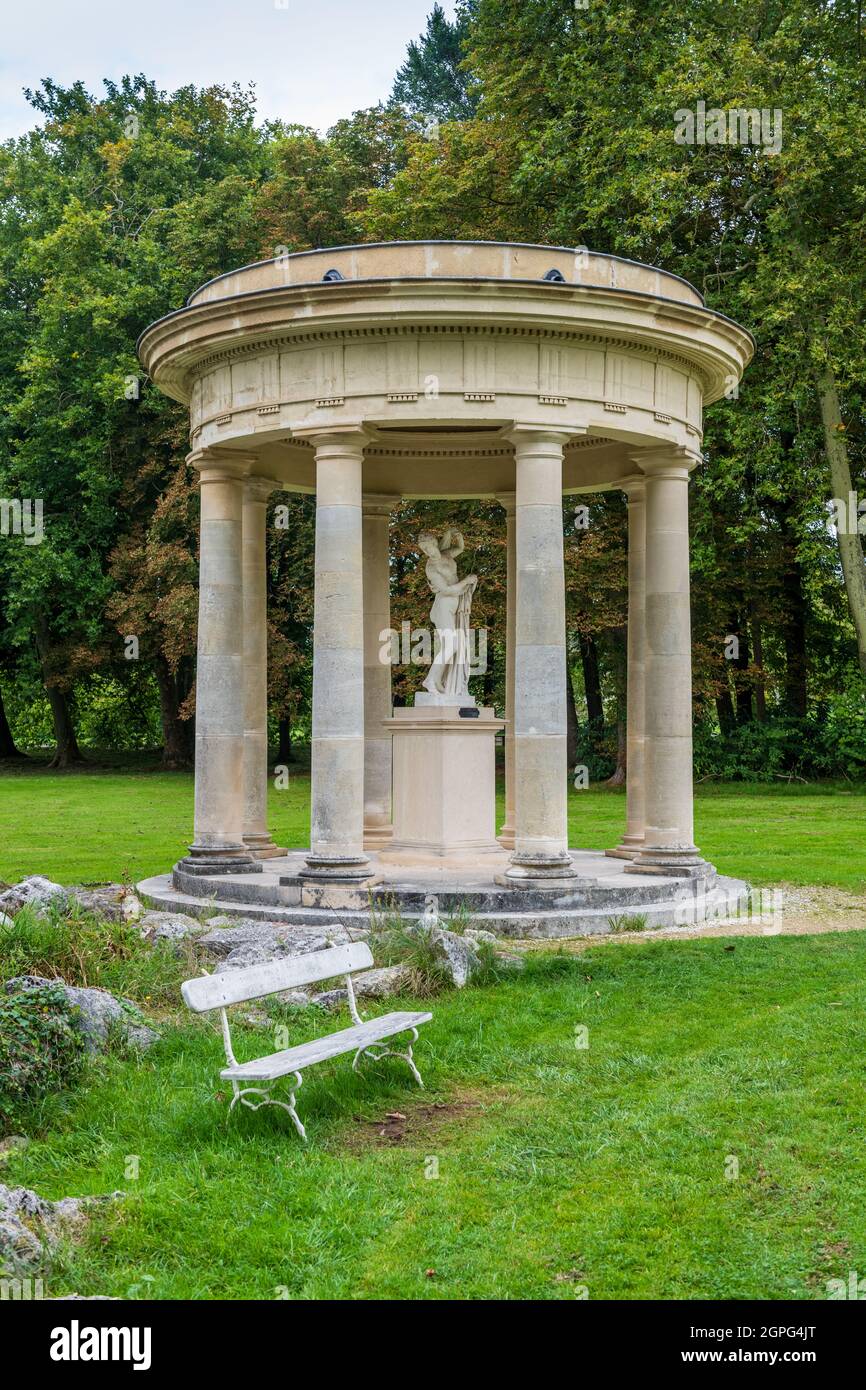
[676,861]
[506,837]
[629,847]
[340,869]
[224,860]
[532,871]
[378,836]
[263,847]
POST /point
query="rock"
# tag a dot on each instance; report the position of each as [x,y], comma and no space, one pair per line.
[257,1018]
[170,927]
[476,934]
[30,1225]
[382,982]
[14,1144]
[35,892]
[455,953]
[330,998]
[95,1013]
[294,998]
[250,942]
[509,961]
[131,907]
[5,920]
[104,901]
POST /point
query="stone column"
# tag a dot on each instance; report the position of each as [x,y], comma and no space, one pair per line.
[378,830]
[218,846]
[255,628]
[669,836]
[507,500]
[337,804]
[633,839]
[540,856]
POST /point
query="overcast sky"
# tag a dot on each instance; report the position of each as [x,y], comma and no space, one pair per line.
[312,60]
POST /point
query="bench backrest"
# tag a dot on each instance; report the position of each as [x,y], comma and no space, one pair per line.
[207,992]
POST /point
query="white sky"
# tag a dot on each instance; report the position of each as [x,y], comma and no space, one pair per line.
[312,61]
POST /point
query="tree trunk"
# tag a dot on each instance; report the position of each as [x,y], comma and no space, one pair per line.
[793,621]
[571,725]
[592,683]
[848,539]
[66,751]
[742,686]
[175,742]
[285,754]
[760,683]
[618,644]
[725,712]
[7,742]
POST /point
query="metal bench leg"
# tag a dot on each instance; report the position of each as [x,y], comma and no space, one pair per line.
[240,1094]
[390,1052]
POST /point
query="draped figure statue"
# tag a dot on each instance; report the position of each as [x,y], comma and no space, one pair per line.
[449,615]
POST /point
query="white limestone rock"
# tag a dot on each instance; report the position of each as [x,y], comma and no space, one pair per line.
[382,982]
[104,900]
[96,1014]
[170,928]
[131,907]
[249,942]
[30,1226]
[456,954]
[34,892]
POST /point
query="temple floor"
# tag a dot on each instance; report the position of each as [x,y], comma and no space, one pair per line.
[603,897]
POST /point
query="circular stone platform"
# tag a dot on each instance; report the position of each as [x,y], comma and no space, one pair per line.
[602,896]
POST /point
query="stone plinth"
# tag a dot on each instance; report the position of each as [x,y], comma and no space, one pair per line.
[444,791]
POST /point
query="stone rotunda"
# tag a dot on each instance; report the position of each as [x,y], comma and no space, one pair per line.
[367,374]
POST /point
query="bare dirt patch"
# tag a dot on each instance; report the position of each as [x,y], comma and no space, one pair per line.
[413,1124]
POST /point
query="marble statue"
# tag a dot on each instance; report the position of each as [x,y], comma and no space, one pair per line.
[447,680]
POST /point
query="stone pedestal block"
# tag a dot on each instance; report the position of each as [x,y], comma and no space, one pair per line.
[444,792]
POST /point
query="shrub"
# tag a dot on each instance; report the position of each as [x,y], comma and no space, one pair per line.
[40,1048]
[829,743]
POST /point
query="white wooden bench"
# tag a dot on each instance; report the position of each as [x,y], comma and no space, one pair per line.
[272,977]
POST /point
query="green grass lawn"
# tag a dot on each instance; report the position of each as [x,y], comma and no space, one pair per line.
[610,1168]
[97,825]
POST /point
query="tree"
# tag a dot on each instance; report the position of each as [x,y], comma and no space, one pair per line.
[434,81]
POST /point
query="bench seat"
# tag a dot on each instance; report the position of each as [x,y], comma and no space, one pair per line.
[361,1035]
[251,1081]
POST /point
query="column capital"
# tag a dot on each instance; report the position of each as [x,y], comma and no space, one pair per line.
[337,439]
[258,489]
[523,435]
[213,466]
[380,503]
[668,461]
[634,486]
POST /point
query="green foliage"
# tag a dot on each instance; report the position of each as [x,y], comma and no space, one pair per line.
[85,950]
[832,743]
[627,922]
[40,1048]
[434,81]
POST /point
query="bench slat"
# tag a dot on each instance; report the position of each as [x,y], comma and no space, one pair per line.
[307,1054]
[271,977]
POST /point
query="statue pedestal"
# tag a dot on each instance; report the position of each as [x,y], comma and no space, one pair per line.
[444,796]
